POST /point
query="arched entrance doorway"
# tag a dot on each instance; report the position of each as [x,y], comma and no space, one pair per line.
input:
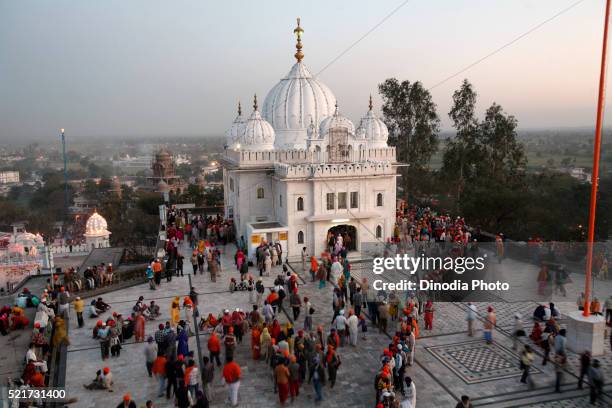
[348,233]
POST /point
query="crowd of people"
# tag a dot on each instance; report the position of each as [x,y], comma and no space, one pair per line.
[297,352]
[48,330]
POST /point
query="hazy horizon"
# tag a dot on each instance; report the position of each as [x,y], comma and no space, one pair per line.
[156,69]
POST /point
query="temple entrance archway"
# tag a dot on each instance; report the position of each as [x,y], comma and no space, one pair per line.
[348,233]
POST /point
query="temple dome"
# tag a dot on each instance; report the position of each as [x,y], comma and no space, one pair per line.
[232,136]
[96,226]
[373,129]
[292,103]
[258,133]
[337,120]
[163,187]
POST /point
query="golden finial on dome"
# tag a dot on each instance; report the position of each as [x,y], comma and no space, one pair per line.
[299,55]
[239,109]
[370,104]
[255,102]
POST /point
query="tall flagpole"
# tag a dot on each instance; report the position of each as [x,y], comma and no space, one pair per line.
[595,174]
[65,170]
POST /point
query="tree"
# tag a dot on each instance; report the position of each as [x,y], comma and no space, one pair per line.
[504,158]
[410,114]
[462,151]
[490,163]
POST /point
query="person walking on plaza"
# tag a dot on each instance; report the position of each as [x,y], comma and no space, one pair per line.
[229,341]
[294,378]
[411,343]
[317,376]
[194,262]
[214,348]
[353,328]
[159,369]
[79,306]
[429,315]
[560,367]
[281,375]
[231,376]
[200,261]
[527,358]
[383,316]
[295,303]
[314,268]
[518,331]
[332,361]
[104,338]
[597,381]
[192,376]
[470,317]
[585,364]
[489,325]
[209,373]
[171,378]
[304,258]
[150,353]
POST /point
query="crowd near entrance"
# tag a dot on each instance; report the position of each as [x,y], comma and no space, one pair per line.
[348,234]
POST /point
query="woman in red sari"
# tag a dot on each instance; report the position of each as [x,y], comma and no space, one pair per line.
[428,316]
[255,343]
[276,329]
[139,328]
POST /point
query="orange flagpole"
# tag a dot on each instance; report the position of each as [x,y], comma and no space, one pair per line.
[595,173]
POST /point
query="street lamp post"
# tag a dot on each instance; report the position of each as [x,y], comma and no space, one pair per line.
[595,175]
[65,170]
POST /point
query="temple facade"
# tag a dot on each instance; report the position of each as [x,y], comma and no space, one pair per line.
[299,170]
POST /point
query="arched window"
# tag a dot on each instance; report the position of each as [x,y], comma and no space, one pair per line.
[379,200]
[260,192]
[379,231]
[300,204]
[301,237]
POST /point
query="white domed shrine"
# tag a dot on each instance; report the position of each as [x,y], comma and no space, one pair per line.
[300,169]
[96,232]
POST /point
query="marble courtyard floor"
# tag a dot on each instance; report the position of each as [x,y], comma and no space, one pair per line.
[448,363]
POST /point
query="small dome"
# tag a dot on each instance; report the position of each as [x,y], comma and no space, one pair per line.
[163,155]
[373,129]
[96,226]
[162,186]
[258,133]
[334,122]
[232,136]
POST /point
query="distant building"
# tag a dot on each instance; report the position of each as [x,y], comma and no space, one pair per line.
[164,179]
[9,177]
[133,165]
[579,173]
[82,205]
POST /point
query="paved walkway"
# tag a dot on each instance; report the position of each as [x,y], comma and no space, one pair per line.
[448,362]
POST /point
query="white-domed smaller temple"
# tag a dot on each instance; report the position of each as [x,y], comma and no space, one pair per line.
[96,232]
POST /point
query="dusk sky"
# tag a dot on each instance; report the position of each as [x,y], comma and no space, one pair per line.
[177,68]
